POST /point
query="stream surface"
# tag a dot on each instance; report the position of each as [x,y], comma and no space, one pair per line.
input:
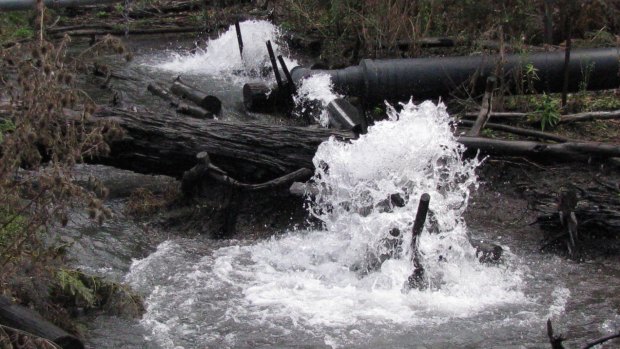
[324,288]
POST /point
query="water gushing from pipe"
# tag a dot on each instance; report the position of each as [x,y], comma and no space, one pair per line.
[221,56]
[320,282]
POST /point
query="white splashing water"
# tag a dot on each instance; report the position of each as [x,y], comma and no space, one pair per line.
[320,88]
[221,56]
[560,296]
[311,283]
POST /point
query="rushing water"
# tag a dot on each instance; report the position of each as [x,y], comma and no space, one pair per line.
[316,284]
[325,288]
[221,56]
[315,91]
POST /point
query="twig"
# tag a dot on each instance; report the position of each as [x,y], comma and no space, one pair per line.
[521,131]
[602,340]
[578,117]
[117,32]
[485,109]
[588,116]
[556,341]
[205,168]
[301,174]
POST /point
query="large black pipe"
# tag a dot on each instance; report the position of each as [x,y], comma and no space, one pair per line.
[399,79]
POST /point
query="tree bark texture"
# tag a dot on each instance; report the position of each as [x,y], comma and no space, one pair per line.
[250,152]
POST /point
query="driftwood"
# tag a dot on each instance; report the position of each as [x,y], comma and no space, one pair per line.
[485,109]
[209,103]
[258,97]
[118,32]
[25,319]
[564,151]
[78,27]
[589,116]
[602,340]
[161,143]
[579,117]
[521,131]
[417,278]
[205,169]
[251,152]
[179,106]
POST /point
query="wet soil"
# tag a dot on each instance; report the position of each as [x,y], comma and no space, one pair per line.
[503,207]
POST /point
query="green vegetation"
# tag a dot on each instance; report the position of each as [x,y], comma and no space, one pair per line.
[547,111]
[15,26]
[6,126]
[40,145]
[380,24]
[74,288]
[70,282]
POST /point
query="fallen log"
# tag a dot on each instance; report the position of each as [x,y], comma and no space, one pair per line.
[564,151]
[179,106]
[248,152]
[252,152]
[588,116]
[78,27]
[27,320]
[258,97]
[205,169]
[207,102]
[120,32]
[579,117]
[520,131]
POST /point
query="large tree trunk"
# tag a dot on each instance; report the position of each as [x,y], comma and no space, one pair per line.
[251,152]
[165,144]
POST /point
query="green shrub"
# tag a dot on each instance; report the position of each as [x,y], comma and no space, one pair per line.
[547,111]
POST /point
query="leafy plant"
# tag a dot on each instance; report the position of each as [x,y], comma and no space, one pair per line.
[14,25]
[23,33]
[530,77]
[70,282]
[547,112]
[586,73]
[6,126]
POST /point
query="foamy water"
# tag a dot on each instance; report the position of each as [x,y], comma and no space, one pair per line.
[221,56]
[315,88]
[310,282]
